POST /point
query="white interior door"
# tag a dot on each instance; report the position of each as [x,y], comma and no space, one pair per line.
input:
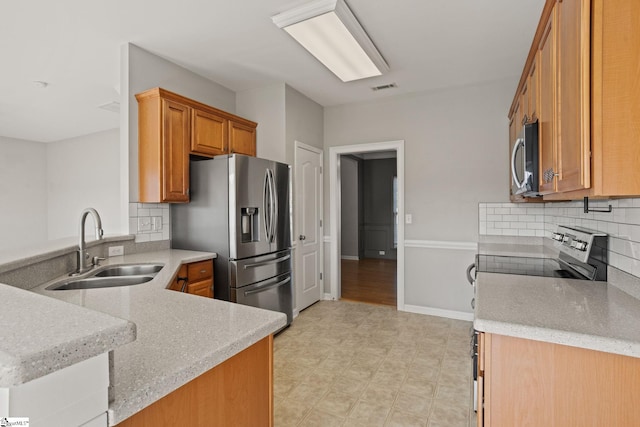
[308,206]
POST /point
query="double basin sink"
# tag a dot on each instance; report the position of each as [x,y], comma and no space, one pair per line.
[110,276]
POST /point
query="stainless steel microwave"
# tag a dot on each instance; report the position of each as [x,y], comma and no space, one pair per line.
[524,162]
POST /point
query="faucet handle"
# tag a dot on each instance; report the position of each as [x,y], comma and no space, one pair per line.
[96,260]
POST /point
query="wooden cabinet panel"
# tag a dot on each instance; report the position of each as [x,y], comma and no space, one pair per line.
[547,106]
[616,95]
[195,278]
[573,74]
[209,133]
[533,383]
[242,138]
[238,392]
[203,288]
[533,90]
[175,152]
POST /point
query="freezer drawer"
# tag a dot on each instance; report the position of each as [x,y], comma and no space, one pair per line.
[247,271]
[274,294]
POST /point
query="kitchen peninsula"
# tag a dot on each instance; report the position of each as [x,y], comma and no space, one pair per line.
[180,341]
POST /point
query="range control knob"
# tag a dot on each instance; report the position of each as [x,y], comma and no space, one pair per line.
[581,246]
[558,237]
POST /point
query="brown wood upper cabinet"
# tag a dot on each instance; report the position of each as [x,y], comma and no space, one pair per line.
[586,55]
[170,128]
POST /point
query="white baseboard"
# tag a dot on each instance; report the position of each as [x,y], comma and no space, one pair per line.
[350,257]
[450,314]
[295,313]
[327,297]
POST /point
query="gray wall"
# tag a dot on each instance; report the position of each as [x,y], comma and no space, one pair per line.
[378,208]
[456,143]
[349,193]
[142,70]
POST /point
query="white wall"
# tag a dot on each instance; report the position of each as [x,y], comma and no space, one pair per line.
[23,216]
[349,212]
[83,172]
[456,156]
[266,106]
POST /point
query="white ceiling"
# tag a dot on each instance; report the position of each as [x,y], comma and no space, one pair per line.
[74,45]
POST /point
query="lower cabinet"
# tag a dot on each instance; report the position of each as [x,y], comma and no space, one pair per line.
[195,278]
[534,383]
[73,396]
[238,392]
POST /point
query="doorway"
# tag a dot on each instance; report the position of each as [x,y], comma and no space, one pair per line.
[368,227]
[335,192]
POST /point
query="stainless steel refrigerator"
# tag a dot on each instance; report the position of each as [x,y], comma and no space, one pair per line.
[240,209]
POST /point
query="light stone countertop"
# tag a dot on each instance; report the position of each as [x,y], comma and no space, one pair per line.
[40,335]
[179,336]
[578,313]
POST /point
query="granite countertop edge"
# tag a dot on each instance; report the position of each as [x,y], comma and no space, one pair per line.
[555,336]
[124,407]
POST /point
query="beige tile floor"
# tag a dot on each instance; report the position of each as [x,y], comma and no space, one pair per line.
[353,364]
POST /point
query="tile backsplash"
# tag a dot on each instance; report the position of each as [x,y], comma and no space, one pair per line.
[540,219]
[149,222]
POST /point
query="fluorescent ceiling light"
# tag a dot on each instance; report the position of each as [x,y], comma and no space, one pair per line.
[330,32]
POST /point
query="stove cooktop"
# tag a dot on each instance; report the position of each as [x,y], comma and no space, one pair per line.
[545,267]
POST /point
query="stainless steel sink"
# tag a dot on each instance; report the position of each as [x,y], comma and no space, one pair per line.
[110,276]
[99,282]
[129,270]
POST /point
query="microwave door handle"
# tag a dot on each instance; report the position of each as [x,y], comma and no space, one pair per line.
[519,142]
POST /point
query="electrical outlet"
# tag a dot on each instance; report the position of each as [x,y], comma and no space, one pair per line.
[144,223]
[156,223]
[381,252]
[116,250]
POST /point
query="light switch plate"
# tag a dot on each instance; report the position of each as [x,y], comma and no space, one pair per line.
[156,223]
[408,219]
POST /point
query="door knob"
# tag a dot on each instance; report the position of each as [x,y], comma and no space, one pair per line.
[302,237]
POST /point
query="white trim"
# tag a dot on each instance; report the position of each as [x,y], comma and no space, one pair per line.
[328,297]
[327,239]
[350,257]
[450,314]
[441,244]
[334,211]
[301,145]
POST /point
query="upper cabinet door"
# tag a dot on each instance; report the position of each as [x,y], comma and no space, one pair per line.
[175,152]
[547,106]
[242,138]
[573,56]
[208,133]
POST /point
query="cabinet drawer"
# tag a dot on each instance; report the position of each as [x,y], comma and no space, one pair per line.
[198,271]
[203,288]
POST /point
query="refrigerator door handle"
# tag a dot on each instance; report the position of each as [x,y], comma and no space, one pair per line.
[269,286]
[274,223]
[263,263]
[265,206]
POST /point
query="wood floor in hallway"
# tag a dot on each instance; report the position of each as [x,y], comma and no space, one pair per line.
[370,280]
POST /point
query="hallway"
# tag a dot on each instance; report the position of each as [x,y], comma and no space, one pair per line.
[369,280]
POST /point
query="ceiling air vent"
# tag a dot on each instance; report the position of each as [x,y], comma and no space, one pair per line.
[382,87]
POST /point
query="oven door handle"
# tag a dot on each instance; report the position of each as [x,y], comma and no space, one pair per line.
[469,278]
[519,142]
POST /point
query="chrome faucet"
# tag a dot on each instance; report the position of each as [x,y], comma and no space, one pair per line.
[82,255]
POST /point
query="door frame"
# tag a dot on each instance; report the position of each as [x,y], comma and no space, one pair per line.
[335,207]
[296,213]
